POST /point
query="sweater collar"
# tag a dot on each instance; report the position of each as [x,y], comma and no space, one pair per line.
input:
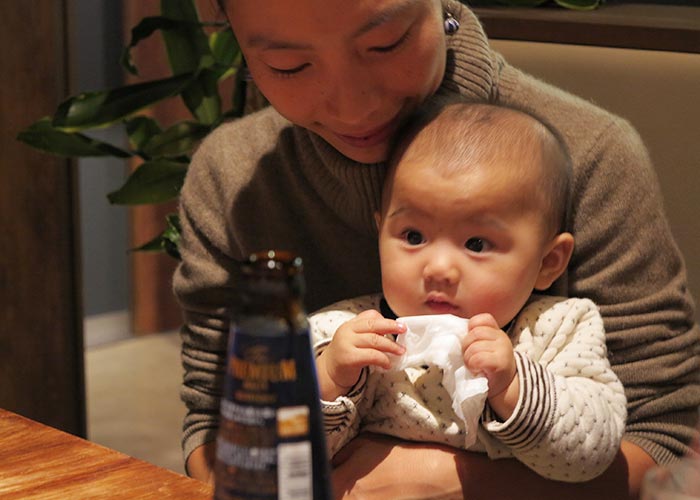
[352,190]
[472,69]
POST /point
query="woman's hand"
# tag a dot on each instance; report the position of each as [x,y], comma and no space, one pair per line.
[380,467]
[356,344]
[374,466]
[200,463]
[489,351]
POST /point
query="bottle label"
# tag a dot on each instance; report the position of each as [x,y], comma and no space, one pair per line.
[294,472]
[264,449]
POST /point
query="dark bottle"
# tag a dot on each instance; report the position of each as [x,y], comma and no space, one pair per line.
[271,442]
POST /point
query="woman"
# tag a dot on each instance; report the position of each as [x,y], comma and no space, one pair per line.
[306,173]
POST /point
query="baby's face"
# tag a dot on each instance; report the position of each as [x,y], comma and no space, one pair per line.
[459,244]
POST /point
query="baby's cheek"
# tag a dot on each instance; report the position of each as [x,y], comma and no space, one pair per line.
[502,303]
[394,288]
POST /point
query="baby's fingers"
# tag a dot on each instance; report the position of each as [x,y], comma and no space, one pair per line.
[482,327]
[379,343]
[377,358]
[484,319]
[366,349]
[373,322]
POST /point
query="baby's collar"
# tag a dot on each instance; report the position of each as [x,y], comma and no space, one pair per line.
[386,310]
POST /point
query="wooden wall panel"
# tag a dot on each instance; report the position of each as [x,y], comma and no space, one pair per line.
[41,348]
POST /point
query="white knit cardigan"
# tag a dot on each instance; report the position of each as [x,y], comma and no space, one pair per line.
[571,410]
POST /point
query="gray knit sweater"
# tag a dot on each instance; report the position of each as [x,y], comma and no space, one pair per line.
[261,182]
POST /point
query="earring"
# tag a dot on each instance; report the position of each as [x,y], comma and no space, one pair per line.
[451,24]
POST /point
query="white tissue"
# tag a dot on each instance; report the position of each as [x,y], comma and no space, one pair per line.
[435,340]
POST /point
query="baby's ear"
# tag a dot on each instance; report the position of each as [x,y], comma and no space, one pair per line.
[555,260]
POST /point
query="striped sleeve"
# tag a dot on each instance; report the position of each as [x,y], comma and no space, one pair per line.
[534,412]
[570,416]
[341,417]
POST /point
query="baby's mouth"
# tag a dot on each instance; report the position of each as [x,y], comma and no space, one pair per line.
[440,306]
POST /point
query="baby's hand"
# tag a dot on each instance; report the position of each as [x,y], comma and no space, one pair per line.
[357,343]
[488,351]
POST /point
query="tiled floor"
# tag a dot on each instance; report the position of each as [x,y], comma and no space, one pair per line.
[133,398]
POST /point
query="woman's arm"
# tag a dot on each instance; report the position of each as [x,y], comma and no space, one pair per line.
[374,466]
[381,467]
[627,262]
[204,286]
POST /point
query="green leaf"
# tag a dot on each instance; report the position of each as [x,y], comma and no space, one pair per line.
[188,50]
[143,30]
[100,109]
[202,97]
[227,54]
[580,4]
[174,228]
[224,47]
[140,129]
[42,135]
[154,245]
[167,241]
[180,139]
[188,45]
[171,236]
[155,181]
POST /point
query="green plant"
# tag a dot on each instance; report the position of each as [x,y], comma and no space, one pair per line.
[201,56]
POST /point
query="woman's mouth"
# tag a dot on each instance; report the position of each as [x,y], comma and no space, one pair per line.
[370,138]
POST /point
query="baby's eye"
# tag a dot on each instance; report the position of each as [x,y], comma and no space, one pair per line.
[477,245]
[413,237]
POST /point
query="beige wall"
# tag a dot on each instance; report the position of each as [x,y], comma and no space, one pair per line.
[659,92]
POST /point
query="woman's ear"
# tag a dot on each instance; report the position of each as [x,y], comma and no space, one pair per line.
[555,260]
[377,219]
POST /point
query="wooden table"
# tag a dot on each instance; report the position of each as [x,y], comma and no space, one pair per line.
[39,462]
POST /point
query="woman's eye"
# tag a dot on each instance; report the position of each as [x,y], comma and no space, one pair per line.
[477,245]
[413,237]
[392,46]
[289,71]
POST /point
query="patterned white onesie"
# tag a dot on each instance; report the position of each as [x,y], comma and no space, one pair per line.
[571,410]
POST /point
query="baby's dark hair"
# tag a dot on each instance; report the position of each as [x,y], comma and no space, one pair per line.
[468,133]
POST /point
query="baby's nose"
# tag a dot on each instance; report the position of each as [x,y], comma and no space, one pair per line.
[441,270]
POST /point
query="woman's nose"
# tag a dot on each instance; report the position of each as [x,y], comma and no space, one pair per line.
[351,95]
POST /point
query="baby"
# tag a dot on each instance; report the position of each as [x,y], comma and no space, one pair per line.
[472,224]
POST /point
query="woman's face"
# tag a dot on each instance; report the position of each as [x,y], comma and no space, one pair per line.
[349,71]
